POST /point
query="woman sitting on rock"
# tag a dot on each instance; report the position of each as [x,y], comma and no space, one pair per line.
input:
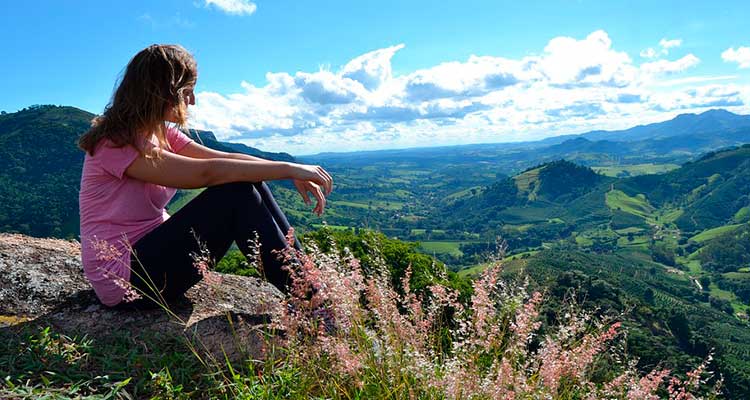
[135,161]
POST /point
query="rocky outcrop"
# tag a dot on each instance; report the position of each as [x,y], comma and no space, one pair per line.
[42,282]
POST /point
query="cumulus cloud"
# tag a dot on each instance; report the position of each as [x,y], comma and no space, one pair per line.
[591,61]
[373,68]
[571,85]
[234,7]
[741,56]
[664,46]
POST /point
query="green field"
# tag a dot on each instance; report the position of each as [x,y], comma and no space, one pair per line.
[444,247]
[334,227]
[528,182]
[670,215]
[712,233]
[424,231]
[635,169]
[638,241]
[637,205]
[625,231]
[742,215]
[380,204]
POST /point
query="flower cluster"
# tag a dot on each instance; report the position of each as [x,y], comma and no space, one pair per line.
[106,251]
[429,345]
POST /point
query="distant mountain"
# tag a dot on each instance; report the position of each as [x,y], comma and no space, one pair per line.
[683,125]
[208,139]
[675,141]
[40,168]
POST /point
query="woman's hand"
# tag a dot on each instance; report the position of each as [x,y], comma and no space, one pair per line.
[313,173]
[304,187]
[313,179]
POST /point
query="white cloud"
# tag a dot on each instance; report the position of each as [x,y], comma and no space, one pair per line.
[669,43]
[649,53]
[664,46]
[373,68]
[741,56]
[572,85]
[670,67]
[695,79]
[234,7]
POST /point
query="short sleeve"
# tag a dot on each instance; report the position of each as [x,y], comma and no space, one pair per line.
[177,140]
[115,160]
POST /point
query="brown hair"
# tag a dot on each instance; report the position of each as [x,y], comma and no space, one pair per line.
[154,82]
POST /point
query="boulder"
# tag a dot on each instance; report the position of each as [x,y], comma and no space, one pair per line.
[42,283]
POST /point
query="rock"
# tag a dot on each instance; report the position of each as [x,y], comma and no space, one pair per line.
[42,283]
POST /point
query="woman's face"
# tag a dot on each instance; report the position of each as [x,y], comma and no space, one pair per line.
[189,98]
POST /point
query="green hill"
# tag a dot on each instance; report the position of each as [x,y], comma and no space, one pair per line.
[710,191]
[40,170]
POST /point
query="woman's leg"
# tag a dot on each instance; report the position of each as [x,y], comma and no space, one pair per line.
[214,219]
[273,207]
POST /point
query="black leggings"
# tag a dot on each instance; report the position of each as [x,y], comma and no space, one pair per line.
[217,217]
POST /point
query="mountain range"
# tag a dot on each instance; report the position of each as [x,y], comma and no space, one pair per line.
[675,141]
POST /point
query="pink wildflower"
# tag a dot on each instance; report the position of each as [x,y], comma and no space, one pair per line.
[104,250]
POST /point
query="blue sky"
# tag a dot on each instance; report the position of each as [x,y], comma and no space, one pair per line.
[306,77]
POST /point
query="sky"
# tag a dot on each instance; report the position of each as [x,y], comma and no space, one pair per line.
[307,77]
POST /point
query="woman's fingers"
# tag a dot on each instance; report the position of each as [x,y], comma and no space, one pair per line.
[302,189]
[328,180]
[320,207]
[315,174]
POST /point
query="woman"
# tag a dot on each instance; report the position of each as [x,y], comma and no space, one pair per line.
[134,162]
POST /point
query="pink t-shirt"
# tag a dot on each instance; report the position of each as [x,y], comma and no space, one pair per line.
[116,211]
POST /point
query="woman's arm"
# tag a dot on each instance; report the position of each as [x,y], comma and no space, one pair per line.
[182,172]
[196,150]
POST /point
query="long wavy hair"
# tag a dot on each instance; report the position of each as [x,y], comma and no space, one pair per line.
[155,81]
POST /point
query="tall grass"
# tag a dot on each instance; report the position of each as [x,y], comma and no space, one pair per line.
[349,333]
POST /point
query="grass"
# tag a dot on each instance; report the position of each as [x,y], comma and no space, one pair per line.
[463,193]
[669,216]
[384,352]
[719,293]
[742,215]
[713,233]
[37,361]
[636,169]
[584,241]
[442,247]
[424,231]
[741,274]
[638,241]
[694,267]
[625,231]
[350,204]
[525,181]
[380,204]
[637,205]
